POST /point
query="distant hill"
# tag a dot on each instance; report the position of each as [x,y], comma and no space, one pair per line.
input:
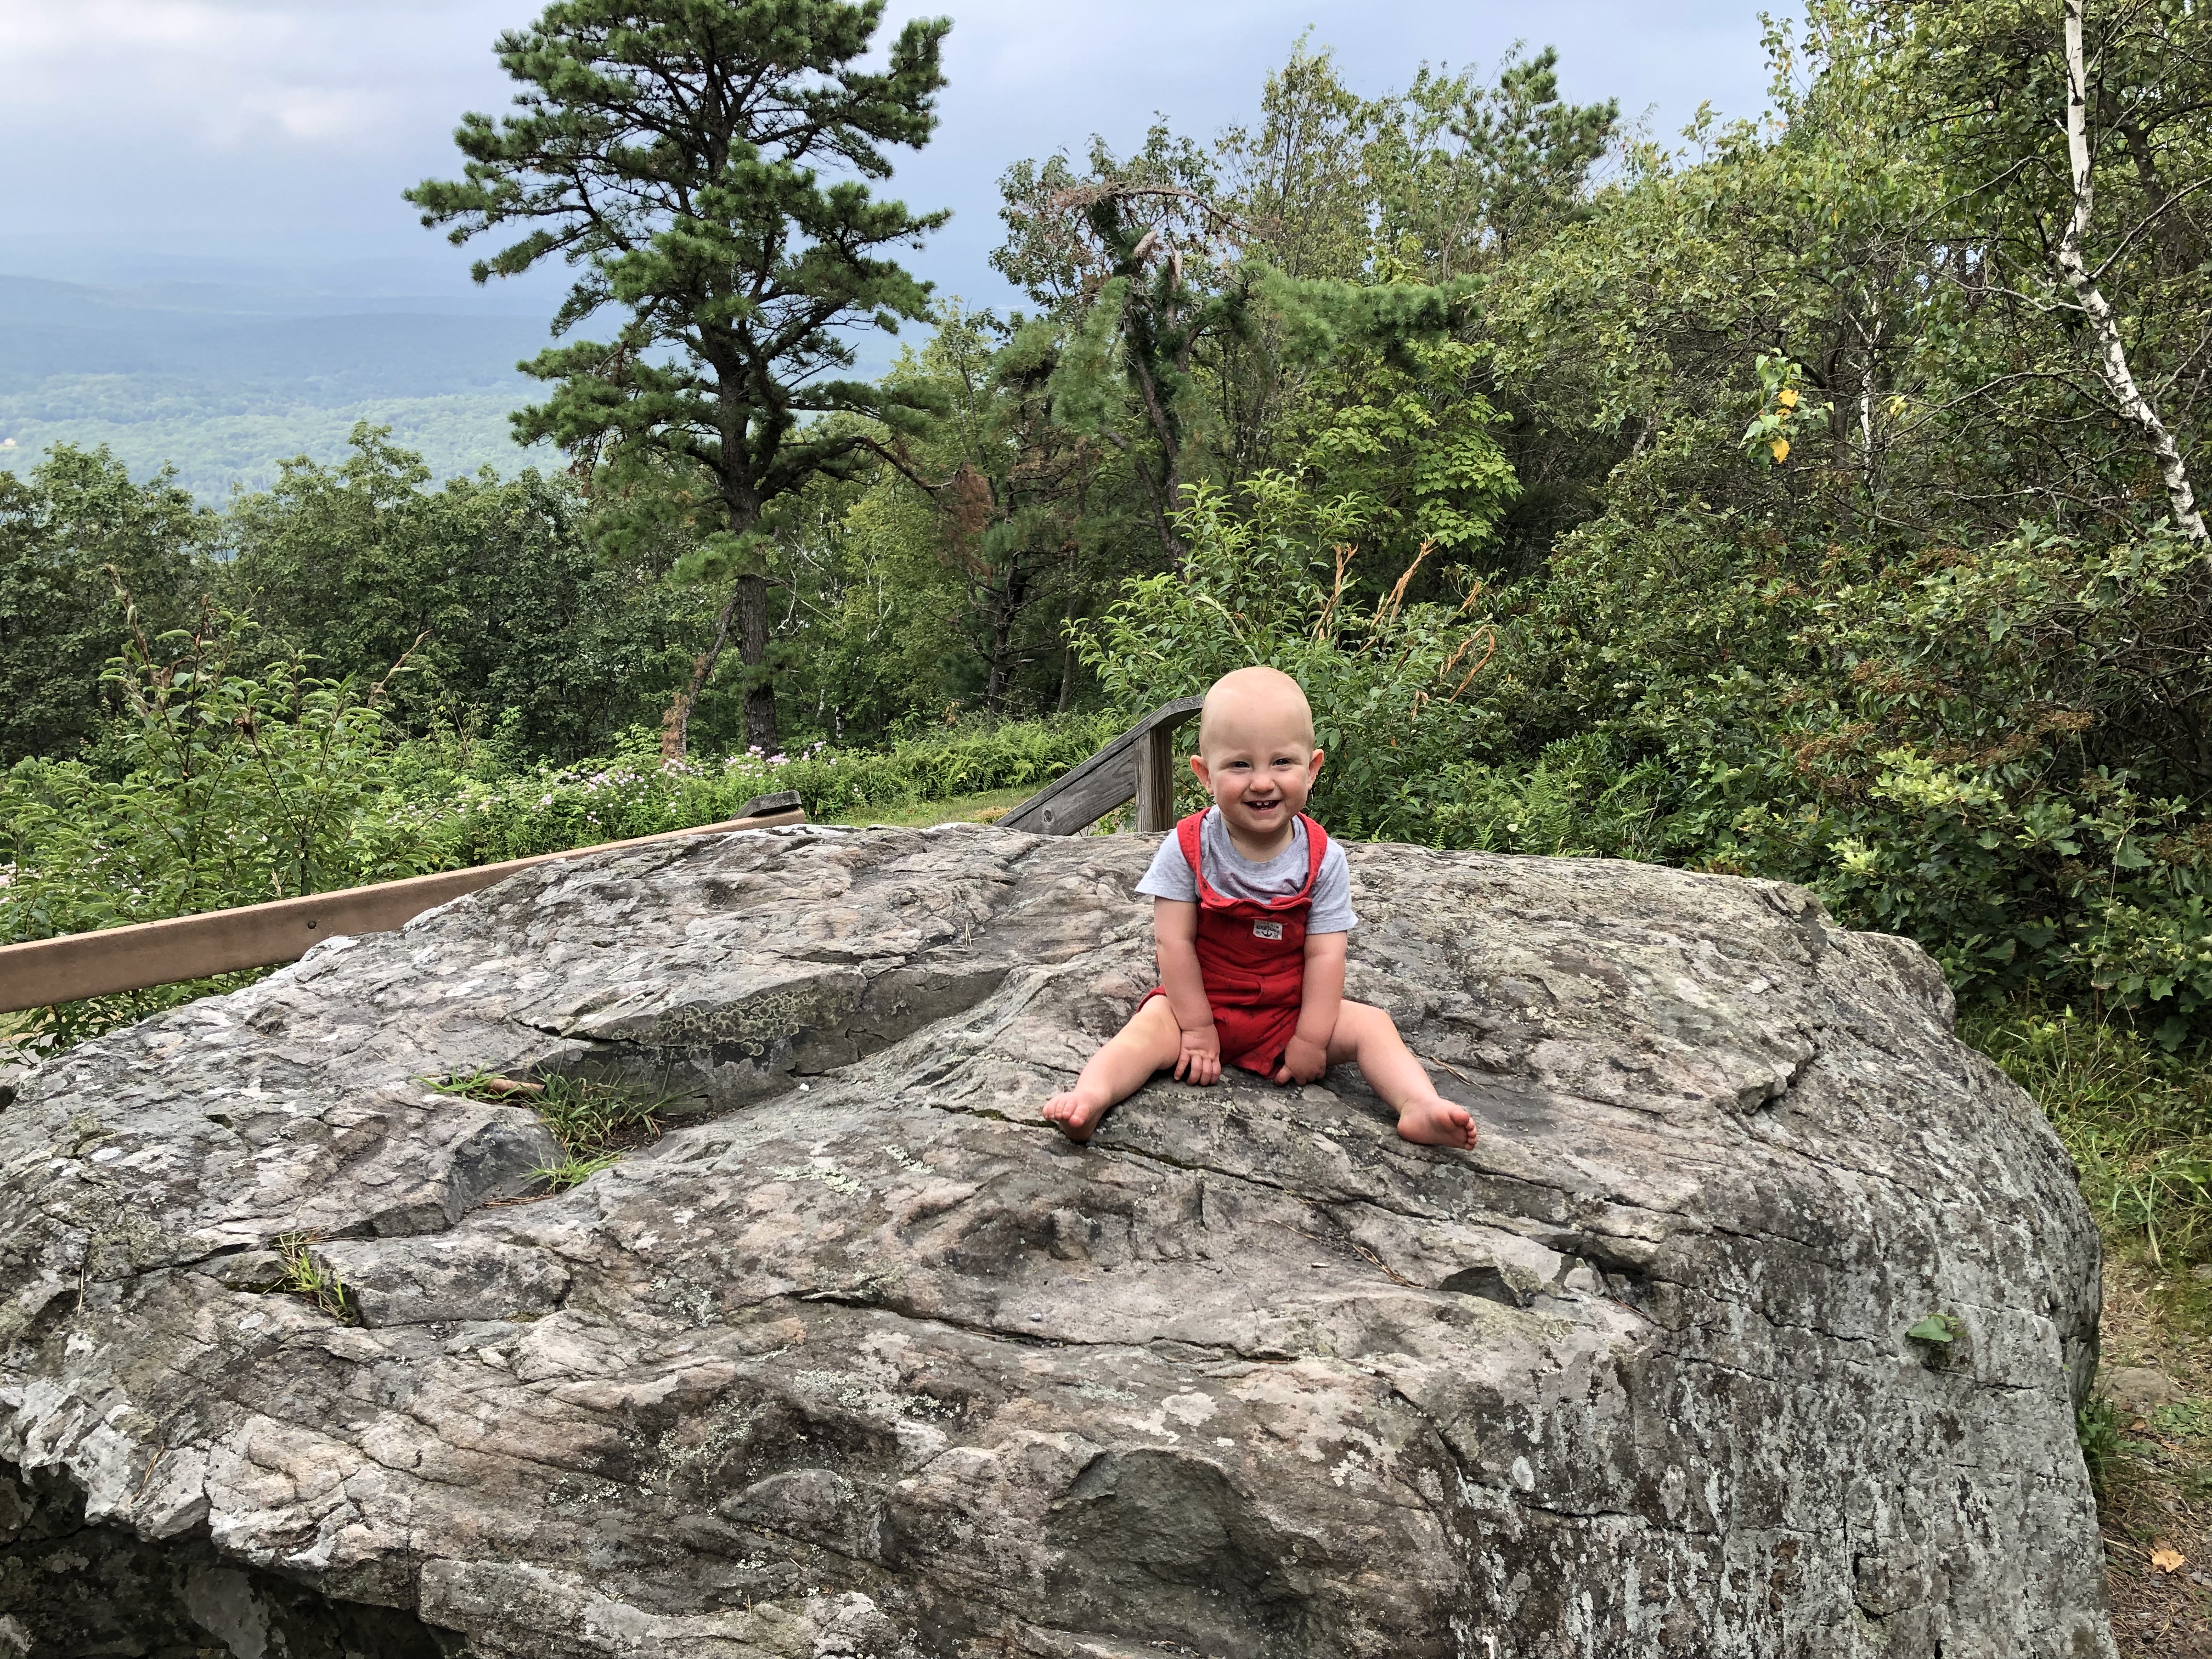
[223,382]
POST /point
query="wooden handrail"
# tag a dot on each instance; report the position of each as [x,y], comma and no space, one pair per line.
[48,971]
[1138,765]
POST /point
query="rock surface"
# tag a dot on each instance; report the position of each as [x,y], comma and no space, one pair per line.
[861,1359]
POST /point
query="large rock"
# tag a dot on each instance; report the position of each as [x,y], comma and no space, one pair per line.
[863,1359]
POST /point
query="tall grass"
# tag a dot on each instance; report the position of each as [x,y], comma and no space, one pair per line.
[635,792]
[2138,1120]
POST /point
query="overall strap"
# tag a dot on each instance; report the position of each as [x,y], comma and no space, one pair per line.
[1316,845]
[1187,838]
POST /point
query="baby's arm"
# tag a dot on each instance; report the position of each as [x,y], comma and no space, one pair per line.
[1175,932]
[1307,1056]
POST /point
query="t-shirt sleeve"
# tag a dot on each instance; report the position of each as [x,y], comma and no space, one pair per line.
[1332,911]
[1169,876]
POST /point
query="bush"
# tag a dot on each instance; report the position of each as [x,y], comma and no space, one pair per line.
[220,787]
[1996,752]
[635,792]
[214,787]
[1268,579]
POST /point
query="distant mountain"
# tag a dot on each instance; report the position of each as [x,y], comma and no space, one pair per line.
[222,381]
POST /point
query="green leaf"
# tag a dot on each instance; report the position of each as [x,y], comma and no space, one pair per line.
[1936,1328]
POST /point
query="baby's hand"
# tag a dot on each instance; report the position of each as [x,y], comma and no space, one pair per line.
[1303,1061]
[1200,1059]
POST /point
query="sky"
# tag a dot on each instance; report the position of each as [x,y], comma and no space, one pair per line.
[267,140]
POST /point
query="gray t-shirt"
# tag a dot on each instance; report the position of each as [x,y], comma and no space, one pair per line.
[1230,873]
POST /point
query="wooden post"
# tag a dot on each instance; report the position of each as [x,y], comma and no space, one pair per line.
[1157,769]
[1084,793]
[1155,782]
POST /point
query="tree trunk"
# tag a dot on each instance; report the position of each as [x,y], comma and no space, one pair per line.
[751,600]
[1067,633]
[2113,358]
[676,724]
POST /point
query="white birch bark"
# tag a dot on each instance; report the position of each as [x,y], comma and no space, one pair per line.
[2111,354]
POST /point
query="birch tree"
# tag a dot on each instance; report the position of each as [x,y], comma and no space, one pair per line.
[2074,265]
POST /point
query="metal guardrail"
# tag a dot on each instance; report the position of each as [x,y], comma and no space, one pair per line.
[47,971]
[1139,765]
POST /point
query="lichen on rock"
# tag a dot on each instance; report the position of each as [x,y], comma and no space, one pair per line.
[861,1358]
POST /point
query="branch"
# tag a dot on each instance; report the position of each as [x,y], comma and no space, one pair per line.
[1077,196]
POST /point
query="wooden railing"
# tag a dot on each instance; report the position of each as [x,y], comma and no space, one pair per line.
[1139,765]
[48,971]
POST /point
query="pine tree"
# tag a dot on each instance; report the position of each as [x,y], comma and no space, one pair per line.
[668,149]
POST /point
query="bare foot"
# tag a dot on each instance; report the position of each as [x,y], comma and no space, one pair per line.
[1078,1111]
[1431,1123]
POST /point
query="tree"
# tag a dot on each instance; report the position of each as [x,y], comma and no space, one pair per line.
[669,150]
[2066,278]
[1137,257]
[1008,483]
[1467,176]
[518,622]
[69,534]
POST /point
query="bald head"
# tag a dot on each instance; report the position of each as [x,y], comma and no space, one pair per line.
[1255,708]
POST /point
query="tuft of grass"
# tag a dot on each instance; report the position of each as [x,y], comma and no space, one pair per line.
[313,1283]
[2138,1120]
[2097,1426]
[596,1123]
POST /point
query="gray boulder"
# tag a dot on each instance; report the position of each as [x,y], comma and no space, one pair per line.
[861,1359]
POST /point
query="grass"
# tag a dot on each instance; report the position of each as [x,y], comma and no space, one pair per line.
[2138,1122]
[595,1122]
[985,807]
[313,1282]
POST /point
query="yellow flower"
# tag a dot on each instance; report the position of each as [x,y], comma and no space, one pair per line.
[1787,397]
[1781,448]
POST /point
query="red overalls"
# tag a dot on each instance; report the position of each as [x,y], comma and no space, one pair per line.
[1252,957]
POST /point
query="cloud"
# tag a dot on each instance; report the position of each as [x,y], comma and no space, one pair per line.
[222,76]
[283,123]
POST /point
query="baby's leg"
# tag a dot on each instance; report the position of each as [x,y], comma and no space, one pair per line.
[1150,1041]
[1366,1034]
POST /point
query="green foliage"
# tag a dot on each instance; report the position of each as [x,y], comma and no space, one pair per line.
[493,591]
[314,1283]
[1407,433]
[2137,1119]
[638,794]
[594,1121]
[1268,579]
[222,783]
[2104,1448]
[69,534]
[670,153]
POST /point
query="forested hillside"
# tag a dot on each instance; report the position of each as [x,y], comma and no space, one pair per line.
[1810,497]
[221,381]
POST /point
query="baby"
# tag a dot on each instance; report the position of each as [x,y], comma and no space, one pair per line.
[1251,904]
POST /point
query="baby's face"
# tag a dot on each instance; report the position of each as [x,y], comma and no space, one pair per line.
[1260,765]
